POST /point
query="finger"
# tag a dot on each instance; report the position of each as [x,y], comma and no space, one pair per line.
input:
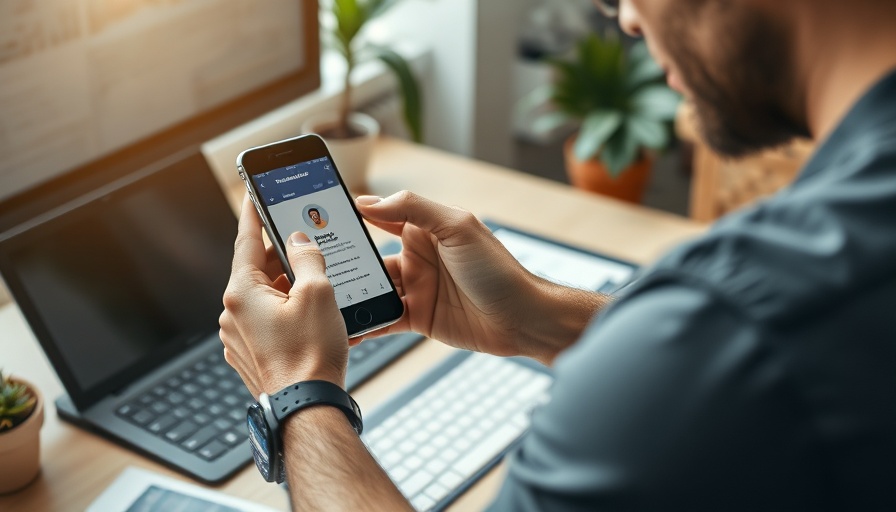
[393,268]
[248,250]
[273,266]
[442,221]
[307,264]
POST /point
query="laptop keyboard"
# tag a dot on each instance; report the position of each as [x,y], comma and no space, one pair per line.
[446,432]
[201,409]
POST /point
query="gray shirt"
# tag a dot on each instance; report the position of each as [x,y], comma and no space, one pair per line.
[751,369]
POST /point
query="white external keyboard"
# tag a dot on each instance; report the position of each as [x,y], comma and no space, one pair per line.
[445,431]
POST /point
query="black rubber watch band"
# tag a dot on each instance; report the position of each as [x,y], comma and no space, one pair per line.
[316,392]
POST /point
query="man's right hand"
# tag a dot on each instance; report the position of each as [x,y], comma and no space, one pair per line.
[461,286]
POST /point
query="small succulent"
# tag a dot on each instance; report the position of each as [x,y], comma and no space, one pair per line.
[16,403]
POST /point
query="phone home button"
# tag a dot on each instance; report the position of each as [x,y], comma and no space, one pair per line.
[363,317]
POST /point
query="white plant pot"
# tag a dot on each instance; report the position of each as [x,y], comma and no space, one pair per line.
[351,156]
[20,448]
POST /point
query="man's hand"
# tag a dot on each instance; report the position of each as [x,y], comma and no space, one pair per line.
[461,286]
[275,334]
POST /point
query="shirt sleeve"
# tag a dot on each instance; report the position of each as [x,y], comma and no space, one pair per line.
[670,401]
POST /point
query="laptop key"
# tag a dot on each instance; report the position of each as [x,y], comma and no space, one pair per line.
[202,436]
[162,424]
[212,450]
[159,407]
[142,417]
[190,388]
[181,431]
[223,423]
[181,412]
[232,438]
[237,414]
[195,404]
[202,418]
[126,410]
[176,398]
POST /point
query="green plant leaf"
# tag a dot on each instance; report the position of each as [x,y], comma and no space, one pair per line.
[656,102]
[350,18]
[619,153]
[642,68]
[549,122]
[597,129]
[410,90]
[648,132]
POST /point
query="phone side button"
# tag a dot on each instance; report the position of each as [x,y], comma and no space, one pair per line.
[363,317]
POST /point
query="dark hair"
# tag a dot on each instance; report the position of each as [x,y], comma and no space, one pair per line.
[313,210]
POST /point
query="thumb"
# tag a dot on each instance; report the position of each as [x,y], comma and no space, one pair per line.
[306,261]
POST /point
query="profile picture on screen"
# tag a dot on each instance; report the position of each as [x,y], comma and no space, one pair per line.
[315,216]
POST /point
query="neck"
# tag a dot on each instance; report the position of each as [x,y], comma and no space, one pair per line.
[847,48]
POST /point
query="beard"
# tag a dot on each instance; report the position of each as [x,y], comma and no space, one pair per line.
[743,86]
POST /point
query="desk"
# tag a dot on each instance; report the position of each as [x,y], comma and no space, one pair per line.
[77,466]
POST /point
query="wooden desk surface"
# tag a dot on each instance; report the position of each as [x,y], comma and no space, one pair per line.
[77,466]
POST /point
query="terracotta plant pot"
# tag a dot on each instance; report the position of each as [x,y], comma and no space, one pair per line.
[352,156]
[593,176]
[20,448]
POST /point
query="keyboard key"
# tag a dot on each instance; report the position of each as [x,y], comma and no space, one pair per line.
[160,391]
[160,407]
[400,473]
[162,424]
[211,394]
[451,479]
[181,412]
[232,400]
[201,418]
[190,388]
[237,414]
[436,466]
[436,491]
[223,423]
[487,449]
[232,438]
[174,382]
[422,502]
[415,483]
[146,400]
[216,410]
[195,404]
[126,410]
[200,437]
[181,431]
[212,450]
[413,462]
[142,417]
[176,398]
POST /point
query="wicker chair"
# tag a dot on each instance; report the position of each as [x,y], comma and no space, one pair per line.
[722,185]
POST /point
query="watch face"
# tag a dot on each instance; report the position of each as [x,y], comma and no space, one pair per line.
[259,440]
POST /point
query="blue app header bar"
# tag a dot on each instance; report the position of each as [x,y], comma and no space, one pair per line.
[295,181]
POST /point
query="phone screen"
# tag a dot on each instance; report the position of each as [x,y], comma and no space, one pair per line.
[308,197]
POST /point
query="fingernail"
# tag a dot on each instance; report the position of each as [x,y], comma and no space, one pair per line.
[299,239]
[368,200]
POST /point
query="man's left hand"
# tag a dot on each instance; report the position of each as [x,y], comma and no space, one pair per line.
[274,333]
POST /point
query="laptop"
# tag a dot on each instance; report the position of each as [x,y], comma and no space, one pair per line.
[122,288]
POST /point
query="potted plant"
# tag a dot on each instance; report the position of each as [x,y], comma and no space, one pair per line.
[623,109]
[350,135]
[21,416]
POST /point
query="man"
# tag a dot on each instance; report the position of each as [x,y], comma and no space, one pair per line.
[314,215]
[753,369]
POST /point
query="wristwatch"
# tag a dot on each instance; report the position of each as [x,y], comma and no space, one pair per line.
[266,416]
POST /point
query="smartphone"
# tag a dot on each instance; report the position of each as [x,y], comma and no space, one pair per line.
[295,186]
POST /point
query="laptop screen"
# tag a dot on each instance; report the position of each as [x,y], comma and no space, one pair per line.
[118,283]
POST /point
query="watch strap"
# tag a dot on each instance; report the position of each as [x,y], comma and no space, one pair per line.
[316,392]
